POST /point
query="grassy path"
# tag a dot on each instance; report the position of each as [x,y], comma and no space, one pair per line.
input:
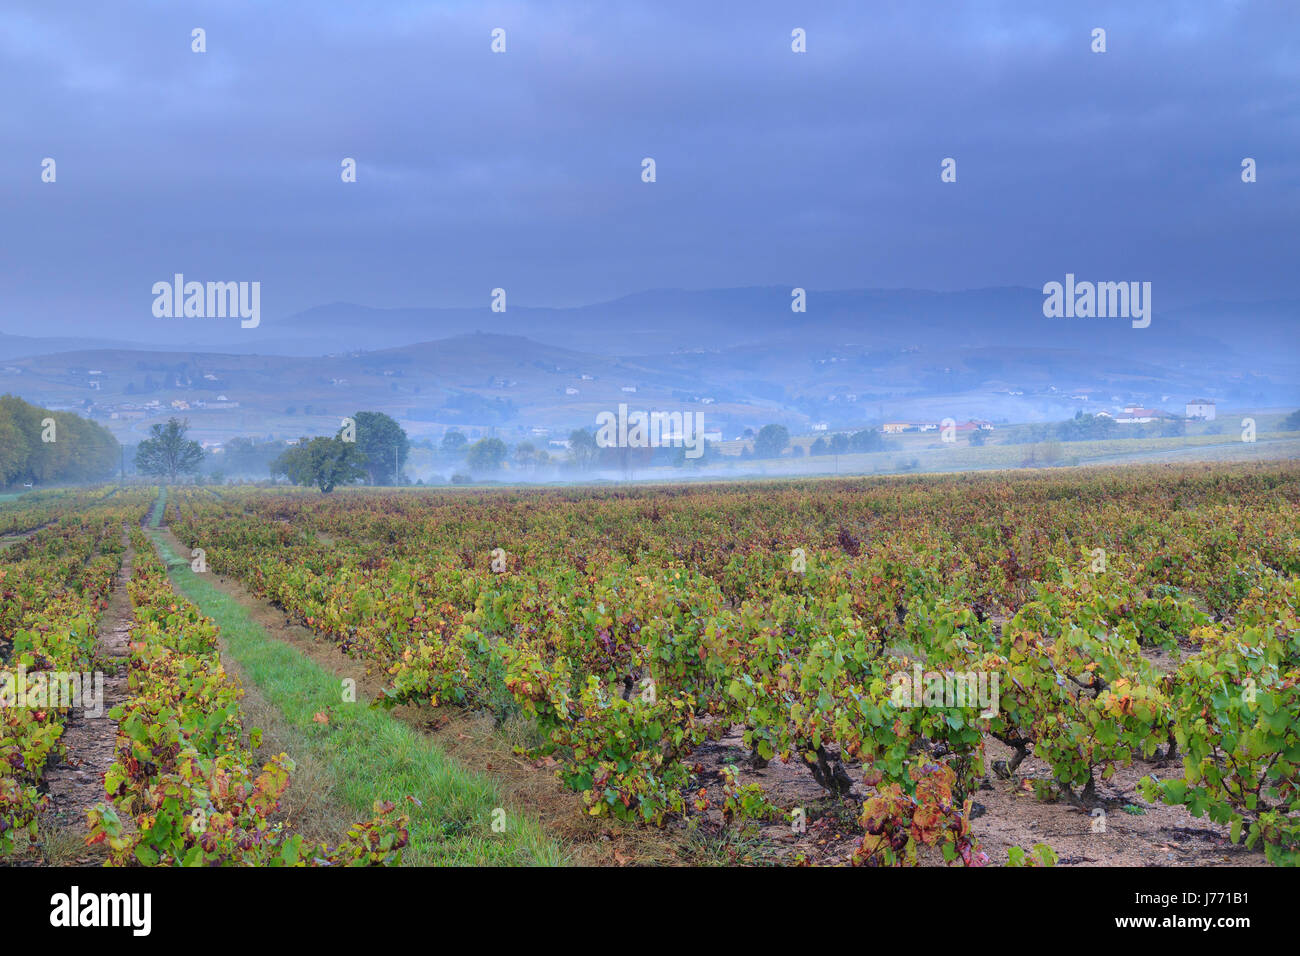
[363,753]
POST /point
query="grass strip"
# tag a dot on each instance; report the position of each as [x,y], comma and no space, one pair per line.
[367,753]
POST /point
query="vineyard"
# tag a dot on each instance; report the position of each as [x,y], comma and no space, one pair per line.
[1118,639]
[183,786]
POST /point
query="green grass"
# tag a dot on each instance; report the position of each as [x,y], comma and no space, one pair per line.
[156,512]
[368,754]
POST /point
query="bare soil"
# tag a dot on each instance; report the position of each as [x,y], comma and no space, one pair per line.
[1007,813]
[76,783]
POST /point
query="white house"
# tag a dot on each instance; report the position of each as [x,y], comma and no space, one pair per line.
[570,391]
[1201,408]
[629,388]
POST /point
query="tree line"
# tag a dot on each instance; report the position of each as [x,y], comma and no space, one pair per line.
[40,446]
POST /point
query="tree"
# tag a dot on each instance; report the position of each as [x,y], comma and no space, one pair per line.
[819,447]
[453,444]
[1085,427]
[771,441]
[167,453]
[486,454]
[525,454]
[323,462]
[13,448]
[1291,423]
[839,444]
[383,444]
[40,445]
[582,447]
[867,440]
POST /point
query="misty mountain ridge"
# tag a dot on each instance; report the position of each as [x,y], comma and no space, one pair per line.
[740,354]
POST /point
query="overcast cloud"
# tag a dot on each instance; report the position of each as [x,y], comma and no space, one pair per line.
[522,170]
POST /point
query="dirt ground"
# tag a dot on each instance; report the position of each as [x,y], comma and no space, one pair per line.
[75,783]
[1007,813]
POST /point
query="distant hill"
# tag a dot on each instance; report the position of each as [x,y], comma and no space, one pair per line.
[666,320]
[738,355]
[13,346]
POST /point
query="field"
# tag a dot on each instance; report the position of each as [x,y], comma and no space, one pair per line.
[1051,667]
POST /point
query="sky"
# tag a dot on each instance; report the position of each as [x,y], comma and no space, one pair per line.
[523,169]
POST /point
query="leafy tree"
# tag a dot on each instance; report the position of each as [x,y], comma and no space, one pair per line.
[167,453]
[1085,427]
[771,441]
[529,456]
[383,444]
[978,438]
[323,462]
[37,444]
[839,444]
[13,448]
[867,440]
[453,444]
[819,447]
[582,447]
[486,454]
